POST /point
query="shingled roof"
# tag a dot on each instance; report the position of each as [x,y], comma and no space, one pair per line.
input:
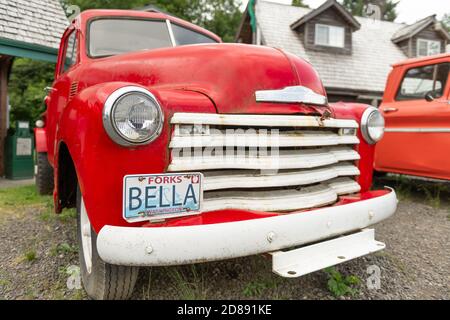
[413,29]
[31,24]
[366,69]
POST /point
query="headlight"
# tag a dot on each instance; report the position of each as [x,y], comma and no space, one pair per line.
[372,125]
[132,116]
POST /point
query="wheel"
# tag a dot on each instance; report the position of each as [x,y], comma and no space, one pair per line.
[44,176]
[101,281]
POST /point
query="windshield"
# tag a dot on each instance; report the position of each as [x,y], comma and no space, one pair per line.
[108,37]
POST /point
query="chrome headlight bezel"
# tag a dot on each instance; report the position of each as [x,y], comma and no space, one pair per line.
[110,125]
[365,125]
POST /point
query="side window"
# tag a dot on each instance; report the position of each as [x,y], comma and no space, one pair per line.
[71,52]
[185,36]
[423,80]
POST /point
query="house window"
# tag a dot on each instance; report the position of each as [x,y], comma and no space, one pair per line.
[428,47]
[330,36]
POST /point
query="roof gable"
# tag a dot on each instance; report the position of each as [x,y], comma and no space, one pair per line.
[330,4]
[37,22]
[411,30]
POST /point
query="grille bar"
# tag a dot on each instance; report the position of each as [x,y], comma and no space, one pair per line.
[261,120]
[286,159]
[219,180]
[285,139]
[279,200]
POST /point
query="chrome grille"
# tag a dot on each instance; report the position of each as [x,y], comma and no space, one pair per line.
[309,161]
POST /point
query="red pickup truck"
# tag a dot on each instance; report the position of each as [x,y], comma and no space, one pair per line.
[416,105]
[176,148]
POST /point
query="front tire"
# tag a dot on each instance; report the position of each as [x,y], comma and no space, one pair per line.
[44,175]
[101,281]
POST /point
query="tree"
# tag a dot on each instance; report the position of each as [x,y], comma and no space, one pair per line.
[26,88]
[446,21]
[360,8]
[299,3]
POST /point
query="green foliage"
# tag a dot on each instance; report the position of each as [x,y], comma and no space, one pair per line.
[446,21]
[340,285]
[19,197]
[255,289]
[26,88]
[30,255]
[358,8]
[64,248]
[299,3]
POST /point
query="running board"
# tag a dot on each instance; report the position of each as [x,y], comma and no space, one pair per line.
[299,262]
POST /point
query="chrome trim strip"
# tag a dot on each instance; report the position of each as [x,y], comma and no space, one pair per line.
[418,130]
[255,139]
[271,201]
[296,94]
[172,36]
[219,180]
[297,159]
[252,120]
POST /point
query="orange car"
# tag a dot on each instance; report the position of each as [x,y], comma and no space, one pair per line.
[416,107]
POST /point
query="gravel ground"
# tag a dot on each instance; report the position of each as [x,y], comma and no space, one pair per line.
[37,249]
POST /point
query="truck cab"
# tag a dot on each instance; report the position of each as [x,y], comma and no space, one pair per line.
[176,148]
[416,106]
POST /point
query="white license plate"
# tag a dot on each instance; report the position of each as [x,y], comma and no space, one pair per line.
[155,197]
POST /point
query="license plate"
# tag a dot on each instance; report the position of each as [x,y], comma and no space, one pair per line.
[155,197]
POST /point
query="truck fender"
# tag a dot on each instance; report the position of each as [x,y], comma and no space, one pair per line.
[40,136]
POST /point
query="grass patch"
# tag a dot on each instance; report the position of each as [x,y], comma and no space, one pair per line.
[63,248]
[30,255]
[340,285]
[256,289]
[189,282]
[21,196]
[448,217]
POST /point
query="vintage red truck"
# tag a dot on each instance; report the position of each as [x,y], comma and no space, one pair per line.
[177,149]
[416,105]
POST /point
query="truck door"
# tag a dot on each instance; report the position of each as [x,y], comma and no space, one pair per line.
[57,96]
[417,140]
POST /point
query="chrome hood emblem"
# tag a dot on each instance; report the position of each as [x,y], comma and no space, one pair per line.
[297,94]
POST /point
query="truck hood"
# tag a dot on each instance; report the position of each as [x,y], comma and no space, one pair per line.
[229,74]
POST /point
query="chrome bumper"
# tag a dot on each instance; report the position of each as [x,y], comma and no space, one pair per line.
[185,245]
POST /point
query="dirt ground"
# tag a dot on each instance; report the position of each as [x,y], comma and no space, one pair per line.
[38,251]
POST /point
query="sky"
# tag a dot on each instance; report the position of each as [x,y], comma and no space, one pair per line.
[409,10]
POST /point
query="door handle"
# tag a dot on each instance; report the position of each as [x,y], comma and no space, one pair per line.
[390,110]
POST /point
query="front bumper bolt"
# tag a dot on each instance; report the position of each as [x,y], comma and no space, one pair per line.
[149,250]
[271,237]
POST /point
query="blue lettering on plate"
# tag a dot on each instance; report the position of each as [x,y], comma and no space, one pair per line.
[135,197]
[149,197]
[190,194]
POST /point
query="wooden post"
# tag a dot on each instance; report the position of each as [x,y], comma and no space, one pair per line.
[5,65]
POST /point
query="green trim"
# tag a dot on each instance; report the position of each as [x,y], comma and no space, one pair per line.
[251,12]
[27,50]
